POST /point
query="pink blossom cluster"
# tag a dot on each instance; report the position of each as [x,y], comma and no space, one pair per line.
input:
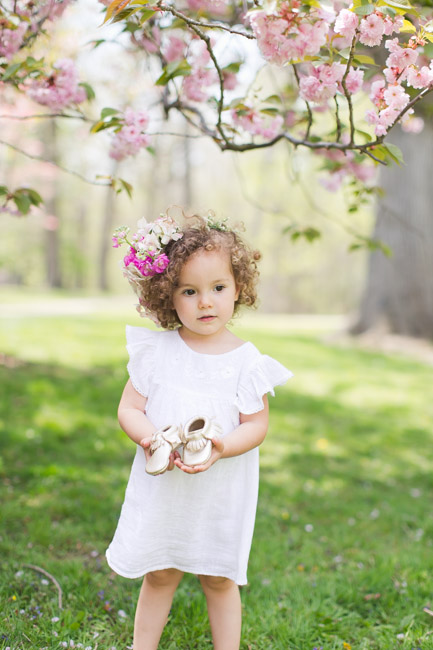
[371,28]
[59,89]
[196,85]
[288,35]
[146,248]
[346,164]
[324,81]
[130,138]
[11,40]
[256,123]
[174,48]
[389,96]
[216,7]
[149,266]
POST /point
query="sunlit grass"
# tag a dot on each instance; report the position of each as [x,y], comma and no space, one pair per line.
[343,545]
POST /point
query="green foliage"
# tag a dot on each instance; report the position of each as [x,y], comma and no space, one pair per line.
[23,197]
[342,551]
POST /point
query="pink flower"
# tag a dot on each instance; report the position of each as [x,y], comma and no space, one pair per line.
[60,89]
[419,78]
[412,124]
[131,137]
[354,80]
[217,7]
[376,92]
[400,57]
[150,41]
[196,84]
[331,74]
[391,25]
[174,49]
[332,182]
[257,124]
[161,263]
[371,30]
[115,242]
[396,98]
[11,40]
[346,23]
[321,85]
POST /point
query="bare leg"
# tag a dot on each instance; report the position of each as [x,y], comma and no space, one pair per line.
[224,610]
[153,607]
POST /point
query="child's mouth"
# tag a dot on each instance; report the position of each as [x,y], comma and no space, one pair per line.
[206,319]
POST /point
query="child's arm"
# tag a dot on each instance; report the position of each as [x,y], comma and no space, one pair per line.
[249,434]
[131,414]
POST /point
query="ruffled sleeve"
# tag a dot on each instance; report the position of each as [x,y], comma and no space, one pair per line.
[261,377]
[141,345]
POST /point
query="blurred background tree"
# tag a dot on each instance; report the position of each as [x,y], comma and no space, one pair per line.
[304,231]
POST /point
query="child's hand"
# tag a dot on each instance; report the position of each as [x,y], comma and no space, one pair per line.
[217,450]
[146,442]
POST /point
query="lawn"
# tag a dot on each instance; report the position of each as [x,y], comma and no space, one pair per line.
[343,548]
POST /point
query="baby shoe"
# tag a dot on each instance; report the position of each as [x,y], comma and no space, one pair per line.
[197,437]
[164,442]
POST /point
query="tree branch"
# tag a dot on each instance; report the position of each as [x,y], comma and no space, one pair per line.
[310,112]
[198,23]
[346,92]
[50,162]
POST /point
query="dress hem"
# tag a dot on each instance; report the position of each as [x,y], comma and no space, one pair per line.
[179,567]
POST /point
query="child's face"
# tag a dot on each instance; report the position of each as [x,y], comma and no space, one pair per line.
[206,295]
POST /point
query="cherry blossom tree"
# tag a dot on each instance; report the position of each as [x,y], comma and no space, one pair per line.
[336,93]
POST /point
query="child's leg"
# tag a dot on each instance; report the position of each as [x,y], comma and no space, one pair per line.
[153,607]
[224,609]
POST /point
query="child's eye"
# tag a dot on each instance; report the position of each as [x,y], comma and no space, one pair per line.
[188,292]
[219,287]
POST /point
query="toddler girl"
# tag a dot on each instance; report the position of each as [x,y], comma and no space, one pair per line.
[196,406]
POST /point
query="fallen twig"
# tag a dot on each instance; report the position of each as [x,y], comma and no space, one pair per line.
[52,578]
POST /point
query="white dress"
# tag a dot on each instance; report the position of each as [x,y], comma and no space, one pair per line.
[198,523]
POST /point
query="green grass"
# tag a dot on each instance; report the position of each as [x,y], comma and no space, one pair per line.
[342,552]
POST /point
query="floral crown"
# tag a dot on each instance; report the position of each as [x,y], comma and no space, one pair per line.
[146,256]
[146,247]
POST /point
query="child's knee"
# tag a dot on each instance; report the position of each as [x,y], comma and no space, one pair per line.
[164,577]
[216,583]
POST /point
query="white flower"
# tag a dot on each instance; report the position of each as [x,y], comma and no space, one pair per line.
[122,614]
[309,528]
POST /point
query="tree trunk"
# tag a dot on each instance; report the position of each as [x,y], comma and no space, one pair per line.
[399,290]
[107,228]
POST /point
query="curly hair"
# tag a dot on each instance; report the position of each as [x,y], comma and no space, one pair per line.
[156,293]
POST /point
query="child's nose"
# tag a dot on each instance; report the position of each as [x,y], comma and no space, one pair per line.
[205,301]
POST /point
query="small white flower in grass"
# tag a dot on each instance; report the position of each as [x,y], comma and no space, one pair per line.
[338,559]
[55,633]
[400,636]
[415,493]
[94,554]
[95,636]
[418,534]
[55,619]
[19,574]
[44,582]
[89,647]
[309,528]
[374,514]
[122,614]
